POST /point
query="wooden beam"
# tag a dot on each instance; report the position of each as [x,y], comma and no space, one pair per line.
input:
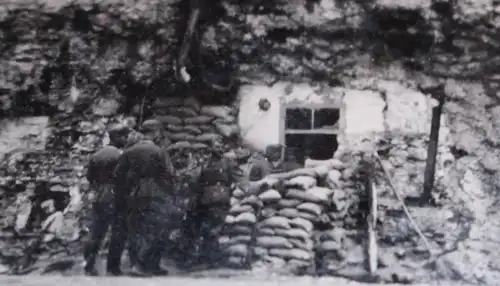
[312,131]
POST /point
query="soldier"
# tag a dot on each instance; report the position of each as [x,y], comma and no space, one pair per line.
[100,177]
[270,162]
[144,203]
[291,161]
[211,203]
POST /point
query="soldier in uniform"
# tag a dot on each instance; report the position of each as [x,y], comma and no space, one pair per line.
[100,178]
[144,202]
[291,161]
[269,163]
[210,205]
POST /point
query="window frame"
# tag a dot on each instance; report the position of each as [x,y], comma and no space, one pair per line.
[313,106]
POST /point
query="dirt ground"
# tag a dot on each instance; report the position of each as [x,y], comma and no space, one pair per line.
[127,281]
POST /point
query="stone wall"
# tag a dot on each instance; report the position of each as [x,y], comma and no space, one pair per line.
[44,192]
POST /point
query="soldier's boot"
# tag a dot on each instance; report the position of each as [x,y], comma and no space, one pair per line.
[138,270]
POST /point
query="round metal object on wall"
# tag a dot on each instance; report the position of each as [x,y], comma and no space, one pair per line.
[264,104]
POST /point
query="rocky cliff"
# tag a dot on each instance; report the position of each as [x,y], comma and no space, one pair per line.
[98,59]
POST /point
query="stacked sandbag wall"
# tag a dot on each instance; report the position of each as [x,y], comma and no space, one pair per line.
[273,222]
[340,243]
[189,125]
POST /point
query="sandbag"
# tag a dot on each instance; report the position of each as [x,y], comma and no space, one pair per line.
[273,242]
[226,130]
[321,171]
[199,145]
[276,222]
[234,201]
[333,179]
[238,230]
[323,194]
[265,231]
[183,111]
[239,209]
[238,193]
[239,239]
[294,173]
[305,224]
[174,128]
[224,240]
[268,212]
[270,196]
[299,263]
[235,260]
[288,203]
[245,218]
[301,182]
[180,145]
[201,119]
[307,245]
[307,216]
[222,112]
[301,195]
[253,201]
[296,233]
[165,102]
[330,163]
[293,253]
[192,130]
[208,137]
[274,262]
[240,250]
[260,251]
[311,208]
[229,219]
[182,137]
[288,213]
[207,128]
[193,103]
[169,119]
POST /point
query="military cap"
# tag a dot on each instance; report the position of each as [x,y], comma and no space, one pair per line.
[118,128]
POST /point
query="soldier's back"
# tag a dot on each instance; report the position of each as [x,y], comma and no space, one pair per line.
[146,159]
[102,164]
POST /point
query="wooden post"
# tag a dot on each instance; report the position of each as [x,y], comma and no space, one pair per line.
[430,167]
[372,247]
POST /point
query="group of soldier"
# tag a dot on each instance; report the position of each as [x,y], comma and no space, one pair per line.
[135,194]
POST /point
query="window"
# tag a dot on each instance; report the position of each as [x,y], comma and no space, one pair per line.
[311,131]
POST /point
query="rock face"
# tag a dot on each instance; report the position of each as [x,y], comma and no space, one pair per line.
[83,58]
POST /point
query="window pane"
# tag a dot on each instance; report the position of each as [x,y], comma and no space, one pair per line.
[326,118]
[314,146]
[298,118]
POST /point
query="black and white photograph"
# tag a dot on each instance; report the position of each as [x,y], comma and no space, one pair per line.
[249,142]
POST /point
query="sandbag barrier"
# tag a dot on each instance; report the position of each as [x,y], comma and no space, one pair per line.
[188,125]
[289,212]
